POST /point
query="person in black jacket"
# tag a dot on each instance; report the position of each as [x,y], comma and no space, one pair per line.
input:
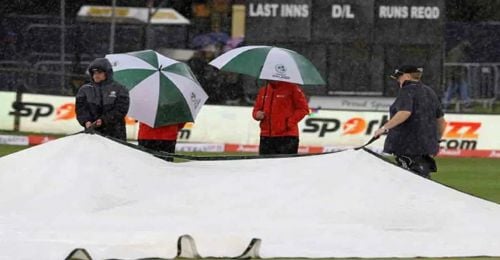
[416,125]
[103,103]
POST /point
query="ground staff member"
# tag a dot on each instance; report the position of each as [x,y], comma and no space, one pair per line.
[103,103]
[416,125]
[163,138]
[279,107]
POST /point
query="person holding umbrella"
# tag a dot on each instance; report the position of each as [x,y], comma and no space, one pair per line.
[279,107]
[163,138]
[103,103]
[280,104]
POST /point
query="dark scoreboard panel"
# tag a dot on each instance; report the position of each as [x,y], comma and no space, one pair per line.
[427,56]
[354,43]
[342,20]
[409,21]
[278,21]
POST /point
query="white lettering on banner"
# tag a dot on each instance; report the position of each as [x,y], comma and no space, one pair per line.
[355,103]
[424,12]
[450,152]
[342,11]
[14,140]
[187,147]
[379,106]
[352,126]
[330,149]
[274,10]
[494,154]
[248,148]
[414,12]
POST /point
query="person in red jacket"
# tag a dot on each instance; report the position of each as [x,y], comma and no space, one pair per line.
[279,107]
[163,138]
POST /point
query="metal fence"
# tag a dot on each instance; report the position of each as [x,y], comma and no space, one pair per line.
[482,84]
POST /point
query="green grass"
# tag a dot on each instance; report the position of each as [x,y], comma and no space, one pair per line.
[8,149]
[477,176]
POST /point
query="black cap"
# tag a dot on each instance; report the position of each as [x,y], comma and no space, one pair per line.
[406,69]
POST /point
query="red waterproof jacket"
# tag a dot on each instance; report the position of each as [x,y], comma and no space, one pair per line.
[168,132]
[284,106]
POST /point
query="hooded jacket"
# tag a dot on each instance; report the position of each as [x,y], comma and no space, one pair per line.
[284,106]
[106,100]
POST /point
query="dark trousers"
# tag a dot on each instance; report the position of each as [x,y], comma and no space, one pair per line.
[422,165]
[160,145]
[279,145]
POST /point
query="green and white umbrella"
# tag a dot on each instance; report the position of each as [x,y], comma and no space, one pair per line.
[271,63]
[162,91]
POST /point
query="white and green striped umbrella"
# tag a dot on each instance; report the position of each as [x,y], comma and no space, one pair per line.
[271,63]
[163,91]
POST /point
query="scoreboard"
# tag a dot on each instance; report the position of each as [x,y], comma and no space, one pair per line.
[355,44]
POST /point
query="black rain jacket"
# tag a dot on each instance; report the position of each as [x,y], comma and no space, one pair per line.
[418,135]
[107,100]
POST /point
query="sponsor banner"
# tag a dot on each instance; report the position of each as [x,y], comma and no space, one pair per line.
[50,114]
[342,129]
[6,121]
[39,139]
[351,103]
[471,132]
[253,148]
[235,125]
[189,147]
[14,140]
[470,153]
[222,124]
[351,129]
[239,148]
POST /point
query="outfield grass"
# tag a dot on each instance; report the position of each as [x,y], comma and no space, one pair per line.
[8,149]
[477,176]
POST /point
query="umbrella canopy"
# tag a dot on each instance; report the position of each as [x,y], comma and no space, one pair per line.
[163,91]
[271,63]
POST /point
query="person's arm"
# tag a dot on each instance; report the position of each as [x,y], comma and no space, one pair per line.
[396,120]
[301,107]
[82,109]
[258,107]
[441,124]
